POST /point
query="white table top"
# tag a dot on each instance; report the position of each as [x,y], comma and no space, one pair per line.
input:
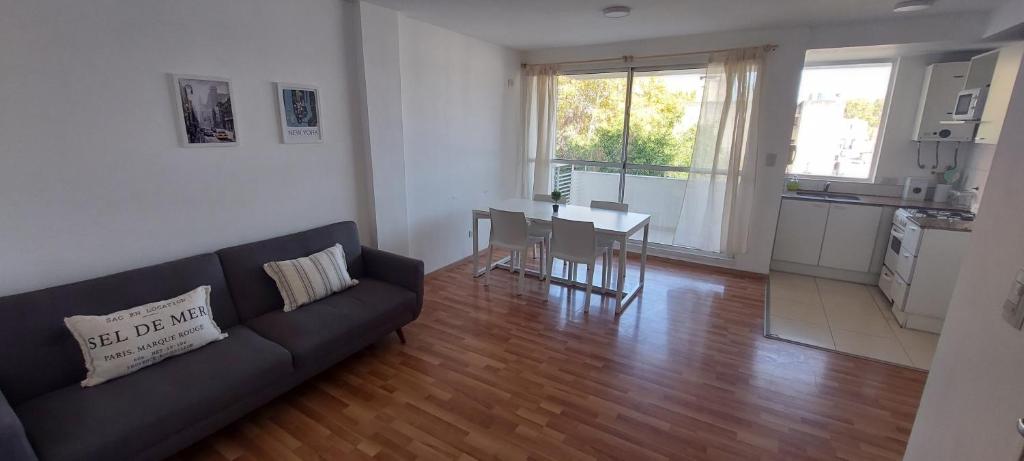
[606,221]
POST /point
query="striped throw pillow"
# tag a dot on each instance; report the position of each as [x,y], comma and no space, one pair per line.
[317,276]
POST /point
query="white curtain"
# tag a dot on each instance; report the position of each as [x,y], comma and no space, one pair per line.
[719,195]
[539,103]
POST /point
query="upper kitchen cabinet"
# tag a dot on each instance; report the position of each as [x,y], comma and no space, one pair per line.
[850,234]
[1004,74]
[982,67]
[800,231]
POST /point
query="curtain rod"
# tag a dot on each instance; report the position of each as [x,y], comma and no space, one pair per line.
[629,58]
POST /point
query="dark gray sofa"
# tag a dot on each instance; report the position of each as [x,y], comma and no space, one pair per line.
[156,411]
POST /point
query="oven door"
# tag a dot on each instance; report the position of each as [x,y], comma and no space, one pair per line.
[892,252]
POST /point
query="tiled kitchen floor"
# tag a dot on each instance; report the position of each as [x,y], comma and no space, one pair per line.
[843,316]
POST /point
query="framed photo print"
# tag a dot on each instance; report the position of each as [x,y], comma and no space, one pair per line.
[206,113]
[300,113]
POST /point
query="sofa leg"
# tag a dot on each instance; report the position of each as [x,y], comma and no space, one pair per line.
[401,336]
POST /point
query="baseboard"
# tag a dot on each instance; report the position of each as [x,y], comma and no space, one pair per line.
[469,258]
[709,267]
[636,254]
[694,258]
[918,322]
[864,278]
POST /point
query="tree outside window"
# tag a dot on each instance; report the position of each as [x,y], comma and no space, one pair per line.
[663,119]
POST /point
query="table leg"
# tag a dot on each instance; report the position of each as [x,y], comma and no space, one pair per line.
[643,253]
[476,245]
[620,286]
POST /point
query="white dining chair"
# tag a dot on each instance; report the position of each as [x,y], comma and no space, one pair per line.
[615,206]
[510,231]
[604,240]
[540,229]
[574,242]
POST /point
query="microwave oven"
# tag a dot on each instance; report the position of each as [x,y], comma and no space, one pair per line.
[969,104]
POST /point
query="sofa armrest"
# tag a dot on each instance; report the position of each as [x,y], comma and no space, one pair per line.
[396,269]
[13,442]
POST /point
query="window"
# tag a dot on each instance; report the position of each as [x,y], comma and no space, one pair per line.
[662,106]
[838,117]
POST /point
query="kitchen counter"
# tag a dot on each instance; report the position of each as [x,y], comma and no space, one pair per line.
[877,200]
[942,224]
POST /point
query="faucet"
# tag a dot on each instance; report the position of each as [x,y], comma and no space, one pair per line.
[827,185]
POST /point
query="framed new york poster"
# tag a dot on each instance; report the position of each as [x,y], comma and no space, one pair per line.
[299,106]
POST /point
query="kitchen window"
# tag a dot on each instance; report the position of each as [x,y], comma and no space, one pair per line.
[839,119]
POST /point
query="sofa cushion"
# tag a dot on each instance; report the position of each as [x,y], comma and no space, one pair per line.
[123,342]
[123,417]
[301,281]
[332,328]
[253,291]
[37,352]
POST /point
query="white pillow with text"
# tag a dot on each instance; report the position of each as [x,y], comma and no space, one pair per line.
[125,341]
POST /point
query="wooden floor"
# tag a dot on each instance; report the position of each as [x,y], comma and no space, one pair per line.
[684,373]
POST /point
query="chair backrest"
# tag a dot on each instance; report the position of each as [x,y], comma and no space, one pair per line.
[615,206]
[542,198]
[573,240]
[509,228]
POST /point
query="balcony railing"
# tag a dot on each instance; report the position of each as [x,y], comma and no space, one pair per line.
[660,197]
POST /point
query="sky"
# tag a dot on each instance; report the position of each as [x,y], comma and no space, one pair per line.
[869,81]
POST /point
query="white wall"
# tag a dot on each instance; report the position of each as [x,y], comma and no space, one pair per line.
[779,94]
[460,131]
[978,167]
[382,89]
[91,174]
[973,395]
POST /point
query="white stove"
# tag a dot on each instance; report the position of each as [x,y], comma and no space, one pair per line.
[922,262]
[904,215]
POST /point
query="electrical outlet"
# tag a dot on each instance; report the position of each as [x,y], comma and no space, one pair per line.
[1013,308]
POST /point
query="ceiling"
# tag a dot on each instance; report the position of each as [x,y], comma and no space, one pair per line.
[532,24]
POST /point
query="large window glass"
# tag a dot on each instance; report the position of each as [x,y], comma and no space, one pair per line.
[591,111]
[662,106]
[664,110]
[839,114]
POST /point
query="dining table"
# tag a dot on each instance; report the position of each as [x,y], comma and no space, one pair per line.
[619,226]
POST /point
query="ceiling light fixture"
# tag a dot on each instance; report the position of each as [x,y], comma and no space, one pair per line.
[907,6]
[616,12]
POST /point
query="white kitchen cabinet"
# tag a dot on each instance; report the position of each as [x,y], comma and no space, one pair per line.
[800,231]
[1003,78]
[982,67]
[850,234]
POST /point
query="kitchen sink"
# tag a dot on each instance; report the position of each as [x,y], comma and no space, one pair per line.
[829,196]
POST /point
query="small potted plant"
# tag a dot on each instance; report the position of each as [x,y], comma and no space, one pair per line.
[556,196]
